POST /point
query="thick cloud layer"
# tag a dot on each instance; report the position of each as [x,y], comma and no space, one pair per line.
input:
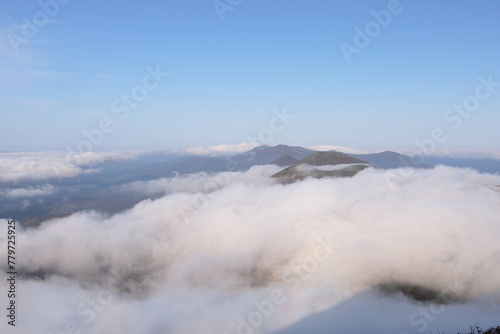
[240,253]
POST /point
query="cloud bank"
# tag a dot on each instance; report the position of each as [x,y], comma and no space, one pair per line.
[210,259]
[15,167]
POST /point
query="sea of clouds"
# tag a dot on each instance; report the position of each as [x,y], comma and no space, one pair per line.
[239,252]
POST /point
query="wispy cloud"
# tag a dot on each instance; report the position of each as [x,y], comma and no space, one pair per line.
[43,190]
[31,64]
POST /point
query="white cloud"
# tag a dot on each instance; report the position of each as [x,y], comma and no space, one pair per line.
[94,158]
[18,166]
[342,149]
[201,182]
[221,149]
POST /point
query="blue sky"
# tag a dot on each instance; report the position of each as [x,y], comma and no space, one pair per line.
[227,76]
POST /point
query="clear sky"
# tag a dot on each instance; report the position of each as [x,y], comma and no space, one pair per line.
[231,66]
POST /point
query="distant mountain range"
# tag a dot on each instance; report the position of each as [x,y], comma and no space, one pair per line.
[261,155]
[294,156]
[267,154]
[97,191]
[281,155]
